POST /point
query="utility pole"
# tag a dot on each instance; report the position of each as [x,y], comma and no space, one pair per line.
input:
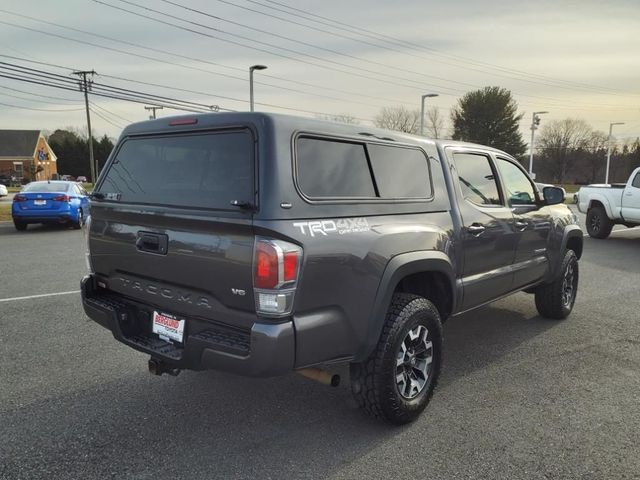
[606,178]
[84,86]
[153,109]
[535,121]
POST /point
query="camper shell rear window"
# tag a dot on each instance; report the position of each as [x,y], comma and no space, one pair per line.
[206,170]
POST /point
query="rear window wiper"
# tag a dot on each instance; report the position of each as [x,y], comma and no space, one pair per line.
[244,205]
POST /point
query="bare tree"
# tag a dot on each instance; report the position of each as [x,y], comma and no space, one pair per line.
[399,119]
[559,141]
[596,151]
[434,123]
[340,118]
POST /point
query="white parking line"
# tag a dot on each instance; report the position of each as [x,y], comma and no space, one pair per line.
[38,296]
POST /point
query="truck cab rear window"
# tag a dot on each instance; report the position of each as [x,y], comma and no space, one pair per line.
[400,172]
[336,169]
[199,170]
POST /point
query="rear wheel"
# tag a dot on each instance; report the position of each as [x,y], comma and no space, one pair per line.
[80,221]
[555,300]
[598,223]
[398,379]
[21,226]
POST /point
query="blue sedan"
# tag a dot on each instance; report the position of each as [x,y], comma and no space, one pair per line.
[50,202]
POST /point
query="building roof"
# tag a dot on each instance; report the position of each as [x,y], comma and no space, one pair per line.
[18,143]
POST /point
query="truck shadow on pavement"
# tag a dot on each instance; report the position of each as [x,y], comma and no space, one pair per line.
[214,425]
[618,252]
[7,228]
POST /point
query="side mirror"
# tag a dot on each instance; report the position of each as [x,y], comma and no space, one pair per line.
[553,195]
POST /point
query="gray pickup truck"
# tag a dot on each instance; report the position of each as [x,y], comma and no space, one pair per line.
[262,244]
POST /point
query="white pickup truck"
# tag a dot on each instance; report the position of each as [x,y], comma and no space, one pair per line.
[609,205]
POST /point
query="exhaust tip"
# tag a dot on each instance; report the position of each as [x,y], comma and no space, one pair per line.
[321,376]
[158,367]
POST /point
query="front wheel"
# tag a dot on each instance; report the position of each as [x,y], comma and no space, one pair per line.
[555,300]
[397,381]
[598,224]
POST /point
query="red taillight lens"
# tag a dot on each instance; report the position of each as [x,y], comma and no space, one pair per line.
[19,198]
[276,276]
[266,265]
[291,266]
[62,198]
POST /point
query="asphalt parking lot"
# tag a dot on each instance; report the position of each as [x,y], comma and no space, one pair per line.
[520,397]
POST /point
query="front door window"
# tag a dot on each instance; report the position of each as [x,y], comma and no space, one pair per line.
[519,189]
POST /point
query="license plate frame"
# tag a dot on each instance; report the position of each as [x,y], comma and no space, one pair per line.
[168,327]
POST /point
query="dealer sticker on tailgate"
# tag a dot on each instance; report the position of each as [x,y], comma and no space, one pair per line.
[168,327]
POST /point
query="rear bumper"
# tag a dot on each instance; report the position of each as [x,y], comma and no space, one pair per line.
[42,216]
[266,350]
[42,219]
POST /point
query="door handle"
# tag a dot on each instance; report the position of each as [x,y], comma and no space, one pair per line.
[521,225]
[475,229]
[152,243]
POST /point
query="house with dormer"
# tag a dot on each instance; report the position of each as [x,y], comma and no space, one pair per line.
[25,155]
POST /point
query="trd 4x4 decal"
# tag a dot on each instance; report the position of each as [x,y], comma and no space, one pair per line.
[341,226]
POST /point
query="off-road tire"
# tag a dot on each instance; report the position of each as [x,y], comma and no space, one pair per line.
[373,382]
[20,226]
[598,223]
[551,300]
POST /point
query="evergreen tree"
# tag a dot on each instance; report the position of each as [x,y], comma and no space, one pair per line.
[490,117]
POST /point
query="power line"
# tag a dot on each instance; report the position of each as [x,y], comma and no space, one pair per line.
[99,88]
[394,77]
[19,97]
[190,67]
[40,95]
[283,37]
[108,91]
[136,99]
[109,112]
[199,60]
[404,52]
[42,109]
[206,71]
[432,51]
[97,113]
[400,43]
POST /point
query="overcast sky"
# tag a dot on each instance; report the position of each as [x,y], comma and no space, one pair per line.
[578,59]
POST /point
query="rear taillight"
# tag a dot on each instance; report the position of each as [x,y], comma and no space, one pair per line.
[276,270]
[267,265]
[19,198]
[62,198]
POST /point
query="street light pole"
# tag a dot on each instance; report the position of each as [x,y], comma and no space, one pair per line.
[606,178]
[251,69]
[535,121]
[426,95]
